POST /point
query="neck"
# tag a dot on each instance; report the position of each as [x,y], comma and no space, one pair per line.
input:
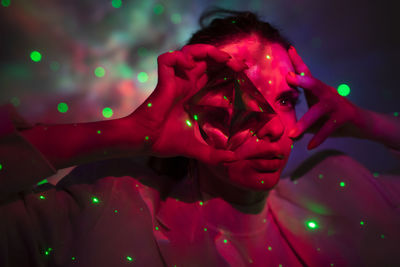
[219,187]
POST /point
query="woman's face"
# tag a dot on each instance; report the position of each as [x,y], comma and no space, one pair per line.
[263,156]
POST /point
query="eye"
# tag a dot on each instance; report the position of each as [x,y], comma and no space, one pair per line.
[289,102]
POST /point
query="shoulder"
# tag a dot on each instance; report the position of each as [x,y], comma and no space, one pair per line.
[337,184]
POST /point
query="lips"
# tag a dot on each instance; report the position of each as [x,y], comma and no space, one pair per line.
[267,165]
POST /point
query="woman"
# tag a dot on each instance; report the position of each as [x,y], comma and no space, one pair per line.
[226,101]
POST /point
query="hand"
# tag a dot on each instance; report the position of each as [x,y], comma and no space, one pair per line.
[182,74]
[329,114]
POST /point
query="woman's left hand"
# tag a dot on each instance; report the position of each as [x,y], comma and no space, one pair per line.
[329,114]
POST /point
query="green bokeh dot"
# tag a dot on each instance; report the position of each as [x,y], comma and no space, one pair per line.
[142,51]
[62,107]
[158,9]
[343,90]
[5,3]
[176,18]
[54,66]
[107,112]
[99,72]
[116,3]
[142,77]
[396,114]
[1,167]
[36,56]
[15,101]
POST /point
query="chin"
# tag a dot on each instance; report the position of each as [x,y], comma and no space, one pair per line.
[243,174]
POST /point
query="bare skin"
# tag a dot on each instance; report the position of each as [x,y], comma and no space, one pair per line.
[162,129]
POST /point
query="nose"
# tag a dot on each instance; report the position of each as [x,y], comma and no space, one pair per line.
[273,129]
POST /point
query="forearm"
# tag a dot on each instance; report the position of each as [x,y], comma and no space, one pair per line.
[381,128]
[66,145]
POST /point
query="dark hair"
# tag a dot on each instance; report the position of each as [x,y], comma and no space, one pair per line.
[232,25]
[226,26]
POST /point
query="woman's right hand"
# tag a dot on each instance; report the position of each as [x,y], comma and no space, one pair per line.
[181,74]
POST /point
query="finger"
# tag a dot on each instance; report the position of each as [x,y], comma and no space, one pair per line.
[210,155]
[308,119]
[203,51]
[306,82]
[329,127]
[297,62]
[168,61]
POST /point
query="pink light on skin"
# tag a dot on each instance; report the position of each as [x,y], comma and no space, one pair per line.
[239,181]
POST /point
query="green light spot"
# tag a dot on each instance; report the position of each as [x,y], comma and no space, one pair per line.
[268,56]
[99,72]
[42,197]
[269,248]
[396,114]
[312,225]
[47,252]
[320,176]
[42,182]
[116,3]
[1,167]
[171,51]
[15,101]
[158,9]
[362,223]
[95,200]
[332,264]
[262,181]
[280,265]
[157,228]
[291,146]
[146,138]
[36,56]
[99,132]
[261,109]
[302,74]
[233,21]
[142,51]
[107,112]
[54,66]
[382,236]
[225,241]
[343,90]
[225,78]
[189,123]
[115,211]
[73,258]
[205,229]
[342,184]
[5,3]
[201,203]
[195,117]
[176,18]
[128,258]
[142,77]
[149,105]
[62,107]
[376,174]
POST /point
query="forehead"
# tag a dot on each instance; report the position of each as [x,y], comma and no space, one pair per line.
[268,62]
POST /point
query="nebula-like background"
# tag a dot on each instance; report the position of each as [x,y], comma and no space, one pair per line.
[94,56]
